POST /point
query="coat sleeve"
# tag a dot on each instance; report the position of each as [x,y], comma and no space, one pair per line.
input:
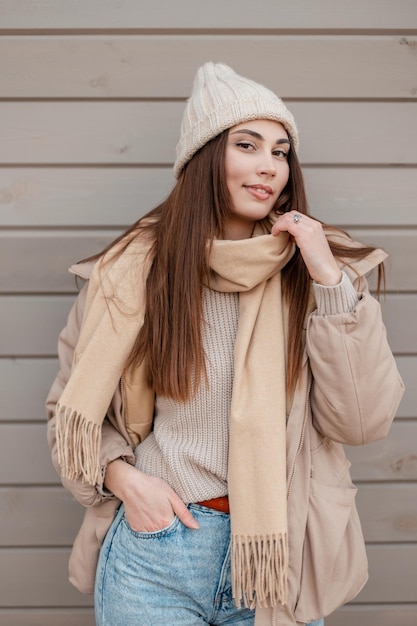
[356,386]
[114,444]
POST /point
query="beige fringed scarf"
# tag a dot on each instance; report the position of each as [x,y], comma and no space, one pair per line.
[257,455]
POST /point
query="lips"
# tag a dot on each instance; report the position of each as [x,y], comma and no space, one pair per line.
[261,192]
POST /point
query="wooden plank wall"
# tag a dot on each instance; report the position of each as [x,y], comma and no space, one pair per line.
[91,94]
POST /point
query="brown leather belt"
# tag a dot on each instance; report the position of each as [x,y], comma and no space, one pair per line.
[218,504]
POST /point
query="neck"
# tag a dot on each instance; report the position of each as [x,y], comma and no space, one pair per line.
[238,229]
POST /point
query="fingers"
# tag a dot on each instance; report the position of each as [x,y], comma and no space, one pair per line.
[152,503]
[307,232]
[312,242]
[292,221]
[183,513]
[142,520]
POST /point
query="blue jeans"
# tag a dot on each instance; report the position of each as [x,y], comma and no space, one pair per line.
[160,578]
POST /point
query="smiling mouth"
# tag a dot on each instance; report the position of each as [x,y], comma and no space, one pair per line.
[259,191]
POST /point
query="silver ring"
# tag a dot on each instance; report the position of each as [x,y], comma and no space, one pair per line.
[297,218]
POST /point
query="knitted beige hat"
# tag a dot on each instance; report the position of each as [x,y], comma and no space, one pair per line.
[221,99]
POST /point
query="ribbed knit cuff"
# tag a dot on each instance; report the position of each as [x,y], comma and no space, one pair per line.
[337,299]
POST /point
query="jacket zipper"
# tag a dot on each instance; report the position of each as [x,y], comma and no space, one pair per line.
[301,442]
[122,384]
[297,454]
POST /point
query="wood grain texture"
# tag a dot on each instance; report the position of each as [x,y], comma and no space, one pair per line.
[105,197]
[188,14]
[47,617]
[392,574]
[35,376]
[44,265]
[25,384]
[388,512]
[48,254]
[45,516]
[374,615]
[408,367]
[42,574]
[146,132]
[79,196]
[397,311]
[118,66]
[49,516]
[38,319]
[87,148]
[401,246]
[391,459]
[359,615]
[362,196]
[28,442]
[36,322]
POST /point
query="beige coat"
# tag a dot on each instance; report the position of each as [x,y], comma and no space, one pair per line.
[348,393]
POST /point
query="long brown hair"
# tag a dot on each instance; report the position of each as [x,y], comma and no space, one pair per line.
[182,228]
[296,280]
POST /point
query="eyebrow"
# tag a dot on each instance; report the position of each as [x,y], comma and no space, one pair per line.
[247,131]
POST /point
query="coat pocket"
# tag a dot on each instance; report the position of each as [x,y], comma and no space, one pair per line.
[85,552]
[335,566]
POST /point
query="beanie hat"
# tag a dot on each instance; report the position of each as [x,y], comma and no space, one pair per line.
[221,99]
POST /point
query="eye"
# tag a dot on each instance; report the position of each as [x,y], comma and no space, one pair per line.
[246,145]
[281,154]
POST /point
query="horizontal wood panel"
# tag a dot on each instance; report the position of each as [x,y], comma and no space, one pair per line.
[35,376]
[374,615]
[28,442]
[401,245]
[40,516]
[388,512]
[103,66]
[128,148]
[47,617]
[49,516]
[147,132]
[37,320]
[25,384]
[398,311]
[42,574]
[47,255]
[266,14]
[392,574]
[362,196]
[116,196]
[82,196]
[392,458]
[408,368]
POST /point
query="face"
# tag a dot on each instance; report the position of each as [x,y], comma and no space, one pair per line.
[257,171]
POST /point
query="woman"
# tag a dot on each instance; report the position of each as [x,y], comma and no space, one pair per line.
[228,347]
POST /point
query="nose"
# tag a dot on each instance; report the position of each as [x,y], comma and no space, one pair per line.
[266,165]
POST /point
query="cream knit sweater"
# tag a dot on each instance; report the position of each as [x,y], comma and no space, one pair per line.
[188,447]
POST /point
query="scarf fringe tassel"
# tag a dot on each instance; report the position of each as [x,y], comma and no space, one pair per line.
[259,570]
[78,446]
